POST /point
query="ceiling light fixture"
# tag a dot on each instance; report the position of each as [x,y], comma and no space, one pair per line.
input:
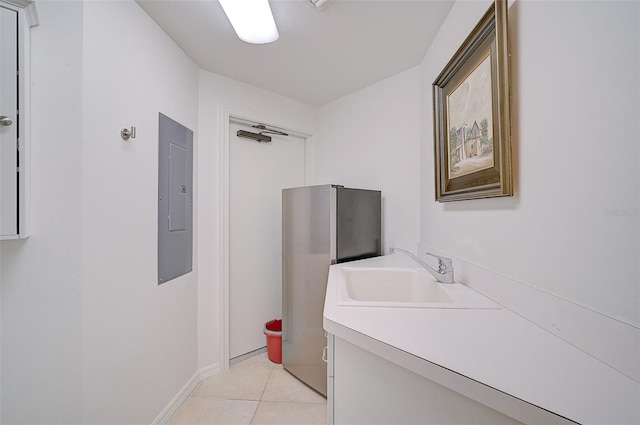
[252,20]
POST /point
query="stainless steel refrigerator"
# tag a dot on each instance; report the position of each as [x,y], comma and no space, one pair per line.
[321,226]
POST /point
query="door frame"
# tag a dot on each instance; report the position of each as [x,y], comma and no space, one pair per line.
[228,114]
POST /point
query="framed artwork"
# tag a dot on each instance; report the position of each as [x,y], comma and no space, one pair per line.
[472,124]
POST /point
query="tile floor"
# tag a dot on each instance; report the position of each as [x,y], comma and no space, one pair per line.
[253,392]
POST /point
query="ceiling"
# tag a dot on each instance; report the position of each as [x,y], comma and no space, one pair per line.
[322,54]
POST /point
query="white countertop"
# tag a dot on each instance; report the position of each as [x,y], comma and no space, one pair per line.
[494,347]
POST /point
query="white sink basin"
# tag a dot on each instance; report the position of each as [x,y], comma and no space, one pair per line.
[390,287]
[408,286]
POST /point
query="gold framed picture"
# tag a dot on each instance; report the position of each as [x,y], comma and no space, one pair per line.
[472,124]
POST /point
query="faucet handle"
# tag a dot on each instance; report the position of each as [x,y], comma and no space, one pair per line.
[445,264]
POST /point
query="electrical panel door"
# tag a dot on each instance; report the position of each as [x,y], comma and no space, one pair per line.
[175,200]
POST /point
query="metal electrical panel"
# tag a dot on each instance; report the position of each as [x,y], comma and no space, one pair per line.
[175,199]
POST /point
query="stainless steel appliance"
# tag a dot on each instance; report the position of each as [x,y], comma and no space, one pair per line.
[321,225]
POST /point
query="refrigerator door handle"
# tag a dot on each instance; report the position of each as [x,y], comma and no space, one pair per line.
[324,354]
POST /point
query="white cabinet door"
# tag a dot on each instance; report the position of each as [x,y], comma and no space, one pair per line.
[8,122]
[368,389]
[330,374]
[15,24]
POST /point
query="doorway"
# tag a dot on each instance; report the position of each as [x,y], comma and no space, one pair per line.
[256,174]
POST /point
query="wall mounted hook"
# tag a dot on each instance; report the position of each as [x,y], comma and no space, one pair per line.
[125,133]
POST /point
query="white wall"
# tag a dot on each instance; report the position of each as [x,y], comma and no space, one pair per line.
[217,92]
[88,336]
[139,339]
[370,139]
[573,228]
[41,282]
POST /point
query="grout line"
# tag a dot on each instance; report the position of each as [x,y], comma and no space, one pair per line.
[262,394]
[267,383]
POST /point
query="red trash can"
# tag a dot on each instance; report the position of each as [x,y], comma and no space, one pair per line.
[273,332]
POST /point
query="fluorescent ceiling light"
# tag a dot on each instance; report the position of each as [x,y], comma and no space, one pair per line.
[252,20]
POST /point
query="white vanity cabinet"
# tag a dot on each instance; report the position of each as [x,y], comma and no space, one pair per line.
[367,389]
[468,365]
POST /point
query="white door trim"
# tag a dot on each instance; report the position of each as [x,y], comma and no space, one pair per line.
[228,114]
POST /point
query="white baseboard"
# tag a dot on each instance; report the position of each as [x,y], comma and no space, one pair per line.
[183,394]
[209,371]
[605,338]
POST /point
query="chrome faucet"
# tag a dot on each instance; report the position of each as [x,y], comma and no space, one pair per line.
[444,274]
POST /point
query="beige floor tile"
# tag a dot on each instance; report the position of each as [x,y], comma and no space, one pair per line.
[243,381]
[254,391]
[278,413]
[282,386]
[213,411]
